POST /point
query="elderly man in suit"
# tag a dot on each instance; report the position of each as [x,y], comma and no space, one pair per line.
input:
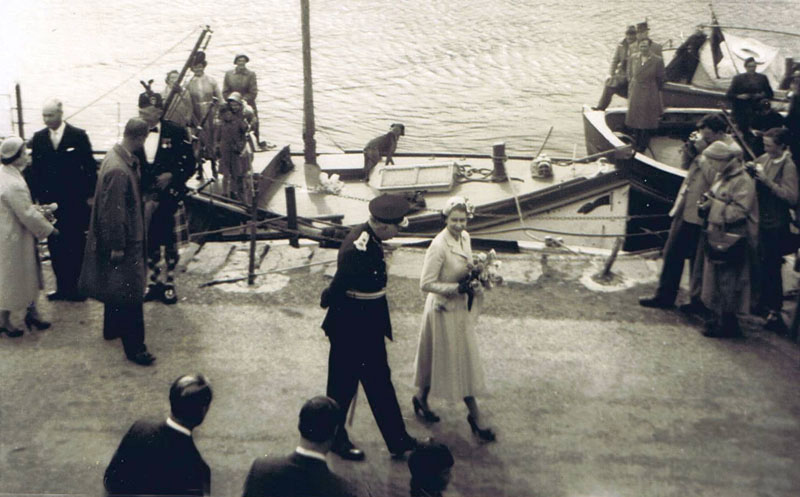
[357,324]
[64,172]
[305,472]
[167,163]
[158,456]
[113,269]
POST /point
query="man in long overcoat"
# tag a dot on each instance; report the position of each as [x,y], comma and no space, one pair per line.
[63,171]
[646,77]
[114,261]
[357,323]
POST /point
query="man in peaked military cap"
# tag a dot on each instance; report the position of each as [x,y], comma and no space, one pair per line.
[356,324]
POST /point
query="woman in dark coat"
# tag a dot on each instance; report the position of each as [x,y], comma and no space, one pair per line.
[745,91]
[776,189]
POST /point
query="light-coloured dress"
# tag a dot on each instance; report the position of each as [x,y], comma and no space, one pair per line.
[20,224]
[447,355]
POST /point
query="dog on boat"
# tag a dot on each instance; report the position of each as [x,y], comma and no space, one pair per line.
[384,145]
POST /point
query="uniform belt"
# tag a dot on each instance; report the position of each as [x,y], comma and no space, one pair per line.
[355,294]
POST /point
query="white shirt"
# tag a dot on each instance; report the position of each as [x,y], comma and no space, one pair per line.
[57,134]
[311,453]
[178,427]
[151,144]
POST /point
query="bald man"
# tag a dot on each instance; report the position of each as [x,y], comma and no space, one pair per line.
[63,171]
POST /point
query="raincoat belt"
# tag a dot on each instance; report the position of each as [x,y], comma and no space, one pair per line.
[355,294]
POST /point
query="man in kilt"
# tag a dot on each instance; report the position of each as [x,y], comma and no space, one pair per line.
[167,163]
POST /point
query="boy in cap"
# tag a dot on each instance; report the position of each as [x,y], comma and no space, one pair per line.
[356,324]
[617,82]
[243,80]
[167,161]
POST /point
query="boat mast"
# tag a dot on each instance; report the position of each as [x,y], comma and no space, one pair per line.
[20,121]
[310,145]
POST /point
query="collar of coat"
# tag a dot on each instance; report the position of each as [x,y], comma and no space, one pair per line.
[126,156]
[457,244]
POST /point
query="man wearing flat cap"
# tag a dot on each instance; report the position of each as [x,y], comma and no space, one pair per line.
[356,324]
[617,82]
[243,80]
[167,163]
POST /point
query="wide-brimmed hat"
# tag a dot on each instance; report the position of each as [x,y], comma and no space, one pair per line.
[11,149]
[641,27]
[246,58]
[236,97]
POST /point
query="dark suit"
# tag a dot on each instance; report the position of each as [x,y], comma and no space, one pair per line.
[67,176]
[174,155]
[155,459]
[754,86]
[356,329]
[294,476]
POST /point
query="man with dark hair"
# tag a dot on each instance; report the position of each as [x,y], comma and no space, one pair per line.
[167,163]
[64,172]
[683,241]
[113,262]
[159,457]
[305,473]
[357,324]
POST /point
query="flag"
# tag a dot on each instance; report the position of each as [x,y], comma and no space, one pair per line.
[716,40]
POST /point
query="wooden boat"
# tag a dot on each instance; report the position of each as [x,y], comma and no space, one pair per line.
[695,80]
[584,204]
[655,175]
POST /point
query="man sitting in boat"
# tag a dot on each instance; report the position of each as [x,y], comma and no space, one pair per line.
[617,82]
[384,145]
[745,91]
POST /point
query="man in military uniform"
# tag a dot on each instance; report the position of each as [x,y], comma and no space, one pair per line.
[167,163]
[356,324]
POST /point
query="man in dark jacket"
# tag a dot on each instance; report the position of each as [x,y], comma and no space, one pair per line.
[617,82]
[113,270]
[159,457]
[305,473]
[167,163]
[64,172]
[356,324]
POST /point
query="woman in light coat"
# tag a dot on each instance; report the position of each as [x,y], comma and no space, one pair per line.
[730,205]
[447,362]
[21,223]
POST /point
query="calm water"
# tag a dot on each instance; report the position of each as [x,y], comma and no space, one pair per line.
[461,74]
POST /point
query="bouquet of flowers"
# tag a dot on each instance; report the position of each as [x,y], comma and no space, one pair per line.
[484,272]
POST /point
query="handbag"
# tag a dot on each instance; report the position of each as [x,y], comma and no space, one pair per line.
[721,245]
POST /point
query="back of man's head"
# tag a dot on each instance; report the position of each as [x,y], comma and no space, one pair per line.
[319,419]
[713,122]
[135,129]
[189,398]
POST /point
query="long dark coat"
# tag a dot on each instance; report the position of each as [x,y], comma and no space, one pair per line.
[117,223]
[644,92]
